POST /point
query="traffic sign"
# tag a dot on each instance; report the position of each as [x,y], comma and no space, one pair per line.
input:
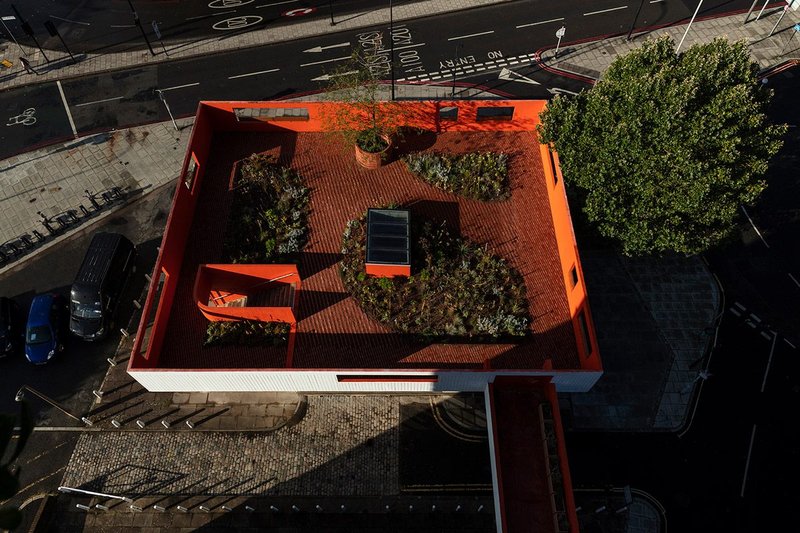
[797,27]
[156,30]
[299,12]
[561,31]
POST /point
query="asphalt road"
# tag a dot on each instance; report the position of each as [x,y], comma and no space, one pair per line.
[489,45]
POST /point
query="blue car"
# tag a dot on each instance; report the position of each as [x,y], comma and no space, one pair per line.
[45,327]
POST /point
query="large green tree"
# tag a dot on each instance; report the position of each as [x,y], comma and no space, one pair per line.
[663,150]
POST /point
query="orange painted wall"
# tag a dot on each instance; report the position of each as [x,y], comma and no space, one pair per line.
[577,297]
[387,271]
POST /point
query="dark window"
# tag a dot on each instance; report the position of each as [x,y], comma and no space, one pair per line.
[385,378]
[574,273]
[553,166]
[495,113]
[269,114]
[448,113]
[584,326]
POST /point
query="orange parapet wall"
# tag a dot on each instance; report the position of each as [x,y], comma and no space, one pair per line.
[387,271]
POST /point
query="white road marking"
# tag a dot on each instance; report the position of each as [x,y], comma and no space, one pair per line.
[72,21]
[605,11]
[790,344]
[755,318]
[510,75]
[326,77]
[99,101]
[769,361]
[325,61]
[211,15]
[436,78]
[180,86]
[754,227]
[735,311]
[740,306]
[123,25]
[766,335]
[470,35]
[318,49]
[253,73]
[396,48]
[657,1]
[747,464]
[66,108]
[794,279]
[277,4]
[542,22]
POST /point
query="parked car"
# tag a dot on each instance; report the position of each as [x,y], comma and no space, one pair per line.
[10,326]
[45,329]
[95,293]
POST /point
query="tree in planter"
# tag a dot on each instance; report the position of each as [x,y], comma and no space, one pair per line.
[367,120]
[10,516]
[665,147]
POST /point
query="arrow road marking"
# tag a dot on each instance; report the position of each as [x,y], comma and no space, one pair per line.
[325,61]
[318,49]
[559,90]
[326,77]
[509,75]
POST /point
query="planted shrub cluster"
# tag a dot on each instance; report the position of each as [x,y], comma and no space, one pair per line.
[480,175]
[459,291]
[268,219]
[246,333]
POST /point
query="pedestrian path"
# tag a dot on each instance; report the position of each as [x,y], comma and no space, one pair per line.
[771,39]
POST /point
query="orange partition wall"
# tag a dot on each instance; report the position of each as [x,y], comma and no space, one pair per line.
[577,297]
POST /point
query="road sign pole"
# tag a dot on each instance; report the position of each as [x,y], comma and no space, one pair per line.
[391,45]
[796,29]
[160,94]
[636,17]
[29,31]
[762,10]
[696,11]
[750,12]
[559,33]
[157,31]
[785,9]
[330,8]
[53,31]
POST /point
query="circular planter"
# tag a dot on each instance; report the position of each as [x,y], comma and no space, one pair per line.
[373,160]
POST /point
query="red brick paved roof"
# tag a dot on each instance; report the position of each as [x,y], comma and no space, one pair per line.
[333,332]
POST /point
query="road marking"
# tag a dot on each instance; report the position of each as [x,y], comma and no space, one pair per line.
[180,86]
[542,22]
[747,464]
[735,311]
[325,61]
[327,77]
[253,73]
[740,306]
[470,35]
[509,75]
[657,1]
[755,318]
[769,361]
[318,49]
[99,101]
[605,11]
[66,108]
[25,118]
[211,15]
[790,344]
[396,48]
[766,335]
[795,280]
[123,25]
[750,323]
[754,227]
[72,21]
[277,4]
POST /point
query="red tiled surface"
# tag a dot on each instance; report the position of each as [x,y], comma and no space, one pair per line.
[332,330]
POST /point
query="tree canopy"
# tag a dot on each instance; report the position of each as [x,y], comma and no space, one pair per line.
[664,149]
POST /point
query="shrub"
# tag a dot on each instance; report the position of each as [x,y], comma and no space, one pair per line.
[479,175]
[268,214]
[459,290]
[247,333]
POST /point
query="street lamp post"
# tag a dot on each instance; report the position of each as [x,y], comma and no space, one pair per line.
[330,8]
[696,11]
[160,94]
[28,31]
[138,24]
[635,18]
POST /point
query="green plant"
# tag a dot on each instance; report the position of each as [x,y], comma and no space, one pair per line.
[366,119]
[10,516]
[663,150]
[460,290]
[478,175]
[269,213]
[246,333]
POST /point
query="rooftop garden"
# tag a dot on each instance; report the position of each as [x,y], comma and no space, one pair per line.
[476,175]
[458,291]
[267,224]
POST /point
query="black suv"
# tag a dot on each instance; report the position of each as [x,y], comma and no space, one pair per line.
[10,326]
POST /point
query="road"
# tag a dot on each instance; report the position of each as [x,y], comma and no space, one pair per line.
[490,46]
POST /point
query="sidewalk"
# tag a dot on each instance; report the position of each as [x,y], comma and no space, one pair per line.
[62,68]
[590,59]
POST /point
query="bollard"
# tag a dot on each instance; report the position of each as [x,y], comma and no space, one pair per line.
[84,211]
[386,508]
[295,508]
[101,507]
[181,508]
[622,509]
[98,394]
[458,508]
[274,509]
[433,508]
[249,509]
[124,332]
[111,361]
[342,508]
[204,509]
[136,508]
[83,507]
[600,509]
[165,424]
[116,423]
[480,508]
[140,423]
[159,508]
[136,304]
[410,508]
[86,421]
[319,509]
[226,508]
[190,424]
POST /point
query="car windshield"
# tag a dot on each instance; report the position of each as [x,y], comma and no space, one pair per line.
[37,335]
[81,310]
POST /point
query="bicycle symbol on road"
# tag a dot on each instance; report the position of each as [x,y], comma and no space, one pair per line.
[25,118]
